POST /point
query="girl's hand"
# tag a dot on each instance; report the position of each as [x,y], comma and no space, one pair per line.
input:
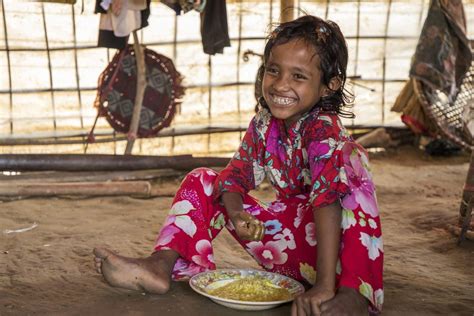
[309,303]
[247,227]
[348,301]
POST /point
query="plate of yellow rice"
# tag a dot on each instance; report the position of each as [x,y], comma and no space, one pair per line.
[246,289]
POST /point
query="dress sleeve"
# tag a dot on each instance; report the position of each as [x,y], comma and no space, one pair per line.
[245,170]
[324,149]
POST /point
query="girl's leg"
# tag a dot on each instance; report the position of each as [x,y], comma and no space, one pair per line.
[187,225]
[361,256]
[151,274]
[194,220]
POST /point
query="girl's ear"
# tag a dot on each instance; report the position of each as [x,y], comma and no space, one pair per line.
[335,84]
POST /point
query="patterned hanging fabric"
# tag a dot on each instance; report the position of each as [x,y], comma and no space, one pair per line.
[117,89]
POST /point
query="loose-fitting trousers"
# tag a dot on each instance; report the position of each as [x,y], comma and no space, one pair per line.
[289,246]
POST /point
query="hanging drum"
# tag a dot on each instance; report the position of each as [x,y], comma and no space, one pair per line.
[117,89]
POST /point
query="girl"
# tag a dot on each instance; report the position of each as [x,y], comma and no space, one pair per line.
[323,228]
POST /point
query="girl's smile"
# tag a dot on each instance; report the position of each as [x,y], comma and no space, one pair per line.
[292,80]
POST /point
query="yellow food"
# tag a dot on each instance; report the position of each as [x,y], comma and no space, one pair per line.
[255,289]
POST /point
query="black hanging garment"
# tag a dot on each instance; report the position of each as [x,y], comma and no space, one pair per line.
[214,28]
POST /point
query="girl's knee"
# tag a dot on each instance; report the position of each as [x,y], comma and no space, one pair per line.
[203,172]
[200,177]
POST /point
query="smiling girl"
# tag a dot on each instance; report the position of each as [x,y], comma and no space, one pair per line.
[323,228]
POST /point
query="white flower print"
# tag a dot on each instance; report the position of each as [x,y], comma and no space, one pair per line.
[310,238]
[299,215]
[275,176]
[258,172]
[204,258]
[343,175]
[277,207]
[378,298]
[268,254]
[286,238]
[348,219]
[207,185]
[373,244]
[372,223]
[253,209]
[211,172]
[183,221]
[325,118]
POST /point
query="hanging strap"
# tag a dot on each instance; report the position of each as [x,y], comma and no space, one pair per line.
[103,94]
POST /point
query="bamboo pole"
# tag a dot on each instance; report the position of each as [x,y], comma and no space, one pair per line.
[468,191]
[138,188]
[78,162]
[89,176]
[287,10]
[140,92]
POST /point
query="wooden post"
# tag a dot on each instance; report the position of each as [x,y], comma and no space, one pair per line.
[140,188]
[140,92]
[287,10]
[78,162]
[467,201]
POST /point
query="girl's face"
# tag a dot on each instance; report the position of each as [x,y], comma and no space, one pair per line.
[292,80]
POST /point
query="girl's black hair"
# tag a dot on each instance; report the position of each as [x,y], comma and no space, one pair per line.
[331,47]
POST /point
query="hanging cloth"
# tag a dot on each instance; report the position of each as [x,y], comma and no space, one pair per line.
[59,1]
[214,28]
[441,61]
[443,54]
[115,27]
[117,89]
[185,6]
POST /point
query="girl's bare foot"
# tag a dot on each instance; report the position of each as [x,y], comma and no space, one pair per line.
[151,274]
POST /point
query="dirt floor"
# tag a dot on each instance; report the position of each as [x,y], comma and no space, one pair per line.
[48,270]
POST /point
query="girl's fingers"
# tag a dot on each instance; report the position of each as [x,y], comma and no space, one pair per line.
[301,308]
[294,309]
[258,230]
[315,308]
[261,231]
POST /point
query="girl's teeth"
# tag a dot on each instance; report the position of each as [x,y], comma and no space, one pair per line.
[282,101]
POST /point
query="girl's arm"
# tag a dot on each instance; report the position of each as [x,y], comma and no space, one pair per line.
[233,203]
[327,220]
[328,234]
[246,226]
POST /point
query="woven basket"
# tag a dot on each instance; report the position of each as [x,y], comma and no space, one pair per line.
[448,116]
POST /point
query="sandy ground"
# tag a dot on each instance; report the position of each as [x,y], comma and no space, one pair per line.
[49,271]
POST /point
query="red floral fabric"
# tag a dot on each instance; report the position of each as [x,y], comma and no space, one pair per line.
[311,165]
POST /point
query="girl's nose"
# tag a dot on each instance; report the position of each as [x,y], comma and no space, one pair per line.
[281,83]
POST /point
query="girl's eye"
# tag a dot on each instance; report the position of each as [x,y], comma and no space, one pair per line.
[299,76]
[271,70]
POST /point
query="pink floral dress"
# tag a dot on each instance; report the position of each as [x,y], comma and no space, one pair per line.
[312,164]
